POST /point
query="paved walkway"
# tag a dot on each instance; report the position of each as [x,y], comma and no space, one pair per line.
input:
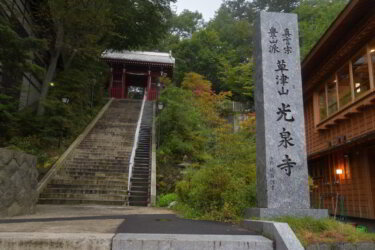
[104,219]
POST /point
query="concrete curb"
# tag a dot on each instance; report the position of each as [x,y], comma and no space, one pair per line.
[280,233]
[122,241]
[43,183]
[153,158]
[56,241]
[190,242]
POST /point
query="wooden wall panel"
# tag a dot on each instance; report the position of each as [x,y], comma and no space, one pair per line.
[357,125]
[355,185]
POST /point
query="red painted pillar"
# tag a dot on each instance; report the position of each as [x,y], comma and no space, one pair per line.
[149,84]
[110,83]
[123,79]
[125,84]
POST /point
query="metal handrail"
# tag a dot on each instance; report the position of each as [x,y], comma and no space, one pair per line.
[135,144]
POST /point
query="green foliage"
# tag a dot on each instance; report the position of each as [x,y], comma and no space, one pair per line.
[219,182]
[275,5]
[137,23]
[166,199]
[15,57]
[239,80]
[16,51]
[186,23]
[315,16]
[312,231]
[181,130]
[221,50]
[201,54]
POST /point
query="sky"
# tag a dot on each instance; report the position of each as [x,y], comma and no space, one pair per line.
[206,7]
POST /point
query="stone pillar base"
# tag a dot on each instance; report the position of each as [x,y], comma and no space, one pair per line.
[267,213]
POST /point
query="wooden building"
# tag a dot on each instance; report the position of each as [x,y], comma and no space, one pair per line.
[133,72]
[339,103]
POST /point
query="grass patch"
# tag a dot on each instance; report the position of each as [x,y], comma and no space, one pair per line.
[166,199]
[312,231]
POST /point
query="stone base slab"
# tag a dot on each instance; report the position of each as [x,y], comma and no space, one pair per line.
[56,241]
[190,242]
[280,212]
[280,233]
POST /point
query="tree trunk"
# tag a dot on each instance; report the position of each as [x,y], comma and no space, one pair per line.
[55,55]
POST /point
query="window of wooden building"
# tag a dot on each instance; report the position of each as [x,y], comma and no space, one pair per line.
[343,78]
[371,49]
[332,96]
[353,79]
[361,77]
[322,104]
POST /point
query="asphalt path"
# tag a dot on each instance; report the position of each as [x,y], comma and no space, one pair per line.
[147,224]
[171,224]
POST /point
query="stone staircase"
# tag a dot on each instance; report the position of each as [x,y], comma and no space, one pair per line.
[141,177]
[97,171]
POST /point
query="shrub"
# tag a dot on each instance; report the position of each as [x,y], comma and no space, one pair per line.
[220,182]
[166,199]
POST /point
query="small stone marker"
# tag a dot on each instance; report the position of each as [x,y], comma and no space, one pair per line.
[282,178]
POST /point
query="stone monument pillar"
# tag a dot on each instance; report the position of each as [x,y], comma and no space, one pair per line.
[282,177]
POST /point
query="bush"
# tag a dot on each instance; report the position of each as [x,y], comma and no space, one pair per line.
[220,181]
[165,200]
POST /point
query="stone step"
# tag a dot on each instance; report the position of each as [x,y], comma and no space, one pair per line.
[83,196]
[138,198]
[141,172]
[97,165]
[88,186]
[98,169]
[139,189]
[85,159]
[89,182]
[144,169]
[140,193]
[141,175]
[94,163]
[142,159]
[138,203]
[138,179]
[87,191]
[80,201]
[94,174]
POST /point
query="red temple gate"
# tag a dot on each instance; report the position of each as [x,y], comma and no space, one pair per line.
[137,69]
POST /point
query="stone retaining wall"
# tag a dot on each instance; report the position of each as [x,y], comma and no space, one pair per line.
[18,183]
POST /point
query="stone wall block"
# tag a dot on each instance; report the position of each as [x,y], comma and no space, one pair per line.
[11,167]
[5,156]
[18,183]
[19,157]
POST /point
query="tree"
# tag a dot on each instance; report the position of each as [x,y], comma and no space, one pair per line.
[315,16]
[240,9]
[236,35]
[16,54]
[89,27]
[275,5]
[203,53]
[138,23]
[239,80]
[78,27]
[186,23]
